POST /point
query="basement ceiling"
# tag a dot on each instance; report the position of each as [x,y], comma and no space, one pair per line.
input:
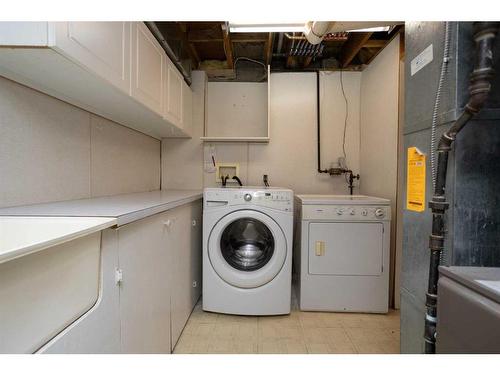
[210,46]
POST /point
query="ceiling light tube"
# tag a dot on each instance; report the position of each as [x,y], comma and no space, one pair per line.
[370,29]
[266,28]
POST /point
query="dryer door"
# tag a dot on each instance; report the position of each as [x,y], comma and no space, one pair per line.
[247,248]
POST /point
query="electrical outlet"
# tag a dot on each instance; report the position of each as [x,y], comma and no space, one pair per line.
[227,169]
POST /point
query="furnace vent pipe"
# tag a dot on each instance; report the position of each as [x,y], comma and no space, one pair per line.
[479,88]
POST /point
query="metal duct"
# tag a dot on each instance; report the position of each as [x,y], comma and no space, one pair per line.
[170,53]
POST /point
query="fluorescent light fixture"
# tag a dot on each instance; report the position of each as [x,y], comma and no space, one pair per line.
[371,29]
[266,27]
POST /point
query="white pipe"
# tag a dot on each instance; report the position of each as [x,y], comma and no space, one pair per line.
[315,31]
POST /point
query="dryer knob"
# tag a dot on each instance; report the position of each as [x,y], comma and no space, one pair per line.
[247,197]
[379,213]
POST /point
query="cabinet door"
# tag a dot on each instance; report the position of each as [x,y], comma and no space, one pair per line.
[185,240]
[144,292]
[148,59]
[187,107]
[98,330]
[173,99]
[101,47]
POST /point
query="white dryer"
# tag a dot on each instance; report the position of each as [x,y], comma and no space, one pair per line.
[247,250]
[341,253]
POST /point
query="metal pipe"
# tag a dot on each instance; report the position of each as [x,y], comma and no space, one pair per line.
[318,122]
[280,43]
[294,37]
[170,53]
[479,88]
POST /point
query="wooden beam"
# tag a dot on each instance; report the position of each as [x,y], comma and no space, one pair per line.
[205,35]
[351,48]
[193,53]
[397,30]
[375,43]
[269,48]
[307,61]
[228,46]
[249,38]
[402,50]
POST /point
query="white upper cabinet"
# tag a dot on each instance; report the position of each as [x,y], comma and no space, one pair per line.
[148,60]
[187,107]
[102,47]
[117,70]
[173,99]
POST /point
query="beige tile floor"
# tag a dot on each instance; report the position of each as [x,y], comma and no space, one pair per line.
[297,333]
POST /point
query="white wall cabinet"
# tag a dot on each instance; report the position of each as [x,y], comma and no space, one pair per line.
[187,108]
[102,47]
[148,65]
[173,98]
[117,70]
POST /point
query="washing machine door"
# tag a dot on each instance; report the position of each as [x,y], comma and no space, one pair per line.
[247,248]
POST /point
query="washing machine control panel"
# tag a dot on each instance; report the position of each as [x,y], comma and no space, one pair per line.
[346,212]
[281,199]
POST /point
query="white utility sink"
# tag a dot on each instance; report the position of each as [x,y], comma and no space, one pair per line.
[22,235]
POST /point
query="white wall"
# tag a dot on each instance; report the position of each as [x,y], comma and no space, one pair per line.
[240,106]
[379,119]
[289,158]
[52,151]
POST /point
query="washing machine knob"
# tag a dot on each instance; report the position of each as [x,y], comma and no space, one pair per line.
[379,213]
[247,197]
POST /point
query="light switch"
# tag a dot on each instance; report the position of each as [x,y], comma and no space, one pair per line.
[320,248]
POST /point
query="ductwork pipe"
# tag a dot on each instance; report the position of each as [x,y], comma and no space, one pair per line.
[315,31]
[479,88]
[166,47]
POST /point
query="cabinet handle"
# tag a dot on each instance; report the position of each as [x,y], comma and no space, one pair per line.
[118,276]
[168,223]
[193,223]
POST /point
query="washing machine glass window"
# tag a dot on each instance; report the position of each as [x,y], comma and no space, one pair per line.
[247,244]
[266,256]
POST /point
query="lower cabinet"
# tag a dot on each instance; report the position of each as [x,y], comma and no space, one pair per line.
[145,287]
[98,330]
[184,238]
[150,282]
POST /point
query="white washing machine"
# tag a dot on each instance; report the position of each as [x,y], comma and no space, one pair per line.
[247,250]
[341,253]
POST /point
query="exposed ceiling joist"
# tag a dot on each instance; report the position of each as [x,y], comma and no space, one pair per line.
[397,30]
[375,43]
[307,61]
[351,48]
[228,46]
[191,50]
[249,38]
[205,35]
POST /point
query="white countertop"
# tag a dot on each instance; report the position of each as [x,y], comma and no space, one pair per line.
[125,208]
[20,235]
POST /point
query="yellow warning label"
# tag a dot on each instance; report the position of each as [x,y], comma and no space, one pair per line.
[415,180]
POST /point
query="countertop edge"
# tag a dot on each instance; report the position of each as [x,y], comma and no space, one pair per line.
[35,248]
[126,217]
[150,211]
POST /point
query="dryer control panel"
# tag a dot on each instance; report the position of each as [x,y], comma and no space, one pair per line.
[346,212]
